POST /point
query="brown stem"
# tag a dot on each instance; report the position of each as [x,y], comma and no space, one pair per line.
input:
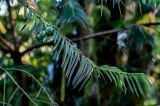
[90,36]
[36,46]
[6,44]
[74,39]
[150,24]
[16,56]
[11,21]
[98,34]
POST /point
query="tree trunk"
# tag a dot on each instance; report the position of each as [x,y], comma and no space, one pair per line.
[16,56]
[82,31]
[20,77]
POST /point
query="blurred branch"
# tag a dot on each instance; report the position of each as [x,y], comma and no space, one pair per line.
[11,21]
[90,36]
[36,46]
[6,43]
[151,24]
[98,34]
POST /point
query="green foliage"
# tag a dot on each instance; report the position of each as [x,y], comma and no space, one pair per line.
[97,11]
[138,82]
[35,100]
[78,68]
[49,30]
[41,34]
[74,61]
[71,12]
[139,37]
[156,3]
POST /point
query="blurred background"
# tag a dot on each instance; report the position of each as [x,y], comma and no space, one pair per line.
[124,34]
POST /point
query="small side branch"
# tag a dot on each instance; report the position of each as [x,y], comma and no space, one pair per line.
[151,24]
[6,44]
[36,46]
[90,36]
[98,34]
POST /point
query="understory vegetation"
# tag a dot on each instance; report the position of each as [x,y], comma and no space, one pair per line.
[79,52]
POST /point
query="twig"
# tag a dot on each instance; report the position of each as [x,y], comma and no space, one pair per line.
[36,46]
[6,43]
[151,24]
[113,31]
[90,36]
[97,34]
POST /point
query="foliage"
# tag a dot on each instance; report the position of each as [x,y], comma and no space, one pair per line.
[72,56]
[71,12]
[77,67]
